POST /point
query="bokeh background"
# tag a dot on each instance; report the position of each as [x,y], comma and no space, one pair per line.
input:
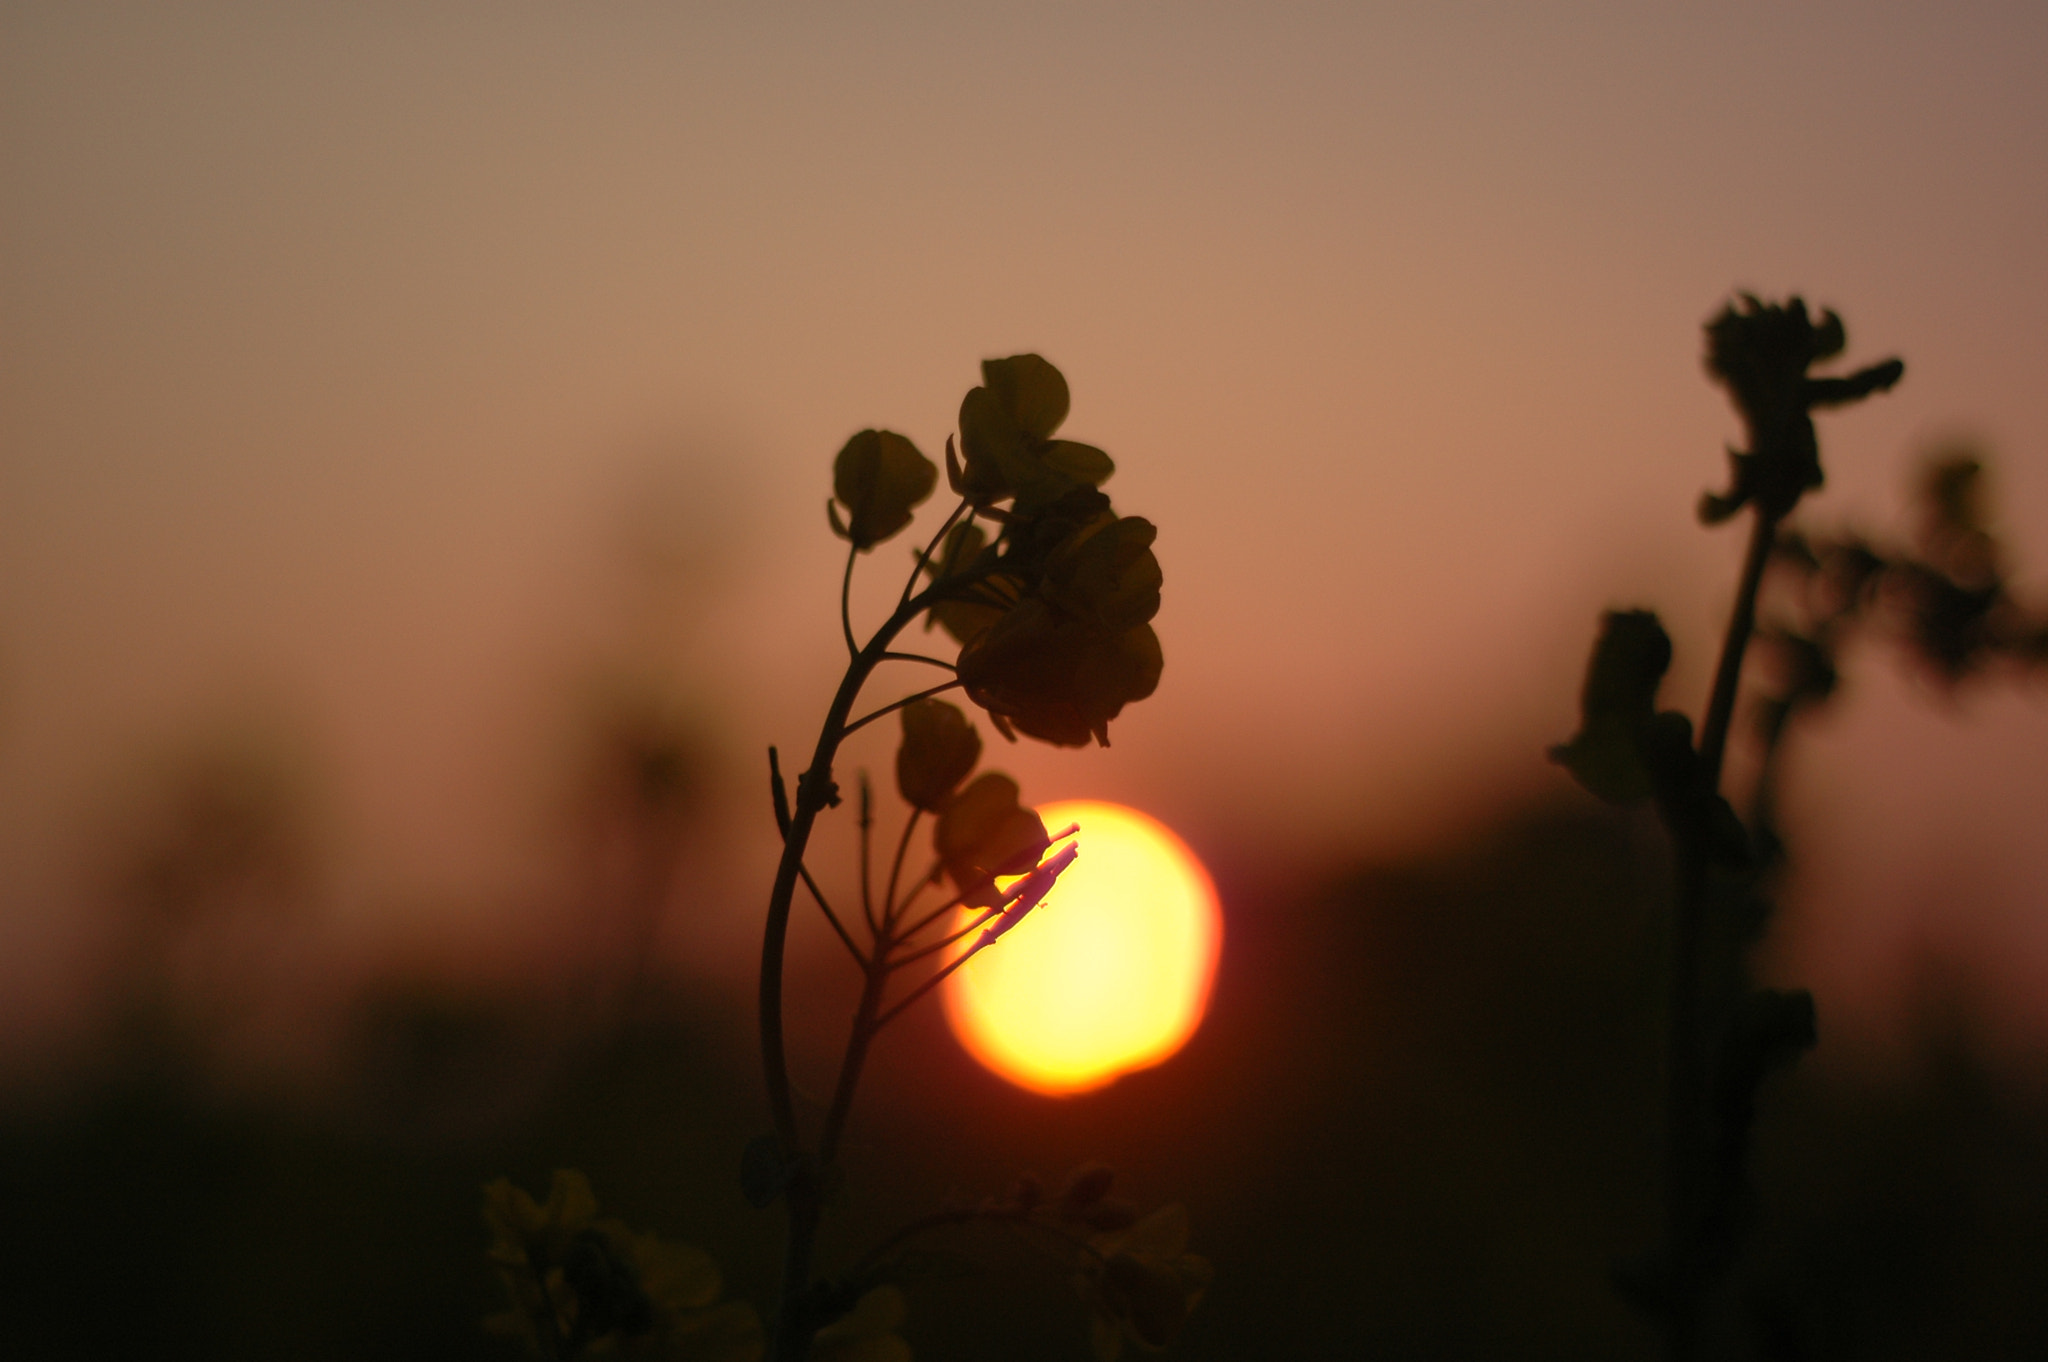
[413,427]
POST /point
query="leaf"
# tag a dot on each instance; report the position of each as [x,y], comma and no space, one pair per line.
[960,551]
[676,1277]
[991,447]
[866,1333]
[879,476]
[1006,442]
[1031,393]
[983,832]
[584,1284]
[1147,1282]
[1082,463]
[1107,573]
[1150,1299]
[1761,353]
[939,748]
[1057,677]
[1089,1184]
[601,1272]
[980,602]
[1618,706]
[724,1333]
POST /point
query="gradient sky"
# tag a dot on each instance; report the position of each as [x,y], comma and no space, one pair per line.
[375,375]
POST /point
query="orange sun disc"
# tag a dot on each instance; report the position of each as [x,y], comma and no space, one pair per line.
[1109,974]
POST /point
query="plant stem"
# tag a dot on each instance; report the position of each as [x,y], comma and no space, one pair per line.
[890,908]
[857,1042]
[864,720]
[1685,1113]
[814,791]
[1741,625]
[846,601]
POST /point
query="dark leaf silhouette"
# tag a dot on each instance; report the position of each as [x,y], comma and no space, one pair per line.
[1611,753]
[983,832]
[1056,676]
[879,477]
[1761,352]
[1006,442]
[939,748]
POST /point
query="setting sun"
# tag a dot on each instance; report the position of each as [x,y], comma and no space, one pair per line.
[1110,974]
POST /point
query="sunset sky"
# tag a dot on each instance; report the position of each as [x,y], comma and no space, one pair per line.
[376,380]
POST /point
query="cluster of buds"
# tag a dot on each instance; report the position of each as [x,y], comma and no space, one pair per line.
[1053,615]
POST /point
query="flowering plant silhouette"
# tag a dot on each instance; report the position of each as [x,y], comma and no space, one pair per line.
[1049,595]
[1726,1034]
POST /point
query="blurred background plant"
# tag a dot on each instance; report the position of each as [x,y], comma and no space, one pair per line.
[1949,604]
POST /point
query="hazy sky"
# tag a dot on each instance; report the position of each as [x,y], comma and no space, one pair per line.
[376,375]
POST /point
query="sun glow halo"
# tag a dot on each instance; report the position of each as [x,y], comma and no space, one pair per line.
[1110,974]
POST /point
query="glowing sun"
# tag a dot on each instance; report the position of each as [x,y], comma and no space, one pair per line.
[1110,974]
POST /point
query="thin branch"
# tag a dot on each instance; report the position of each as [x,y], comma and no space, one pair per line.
[928,985]
[926,881]
[1015,904]
[845,608]
[890,908]
[956,901]
[779,792]
[859,958]
[924,559]
[925,952]
[885,710]
[918,657]
[859,1037]
[1741,625]
[867,827]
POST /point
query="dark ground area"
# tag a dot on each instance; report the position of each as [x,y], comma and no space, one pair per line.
[1420,1122]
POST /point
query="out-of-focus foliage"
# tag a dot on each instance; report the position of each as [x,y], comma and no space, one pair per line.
[1622,739]
[1725,1034]
[1627,751]
[867,1332]
[581,1283]
[1761,352]
[1945,597]
[1135,1273]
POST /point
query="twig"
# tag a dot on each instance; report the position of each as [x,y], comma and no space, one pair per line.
[888,709]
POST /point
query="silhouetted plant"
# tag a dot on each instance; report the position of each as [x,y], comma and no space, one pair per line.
[1726,1034]
[1050,607]
[1945,598]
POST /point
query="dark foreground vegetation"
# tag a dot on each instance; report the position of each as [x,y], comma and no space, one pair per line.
[1438,1147]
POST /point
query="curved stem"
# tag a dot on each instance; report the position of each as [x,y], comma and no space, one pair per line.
[924,558]
[845,602]
[1685,1115]
[935,914]
[938,977]
[889,905]
[814,792]
[919,657]
[858,957]
[857,1041]
[864,720]
[1741,625]
[867,828]
[957,935]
